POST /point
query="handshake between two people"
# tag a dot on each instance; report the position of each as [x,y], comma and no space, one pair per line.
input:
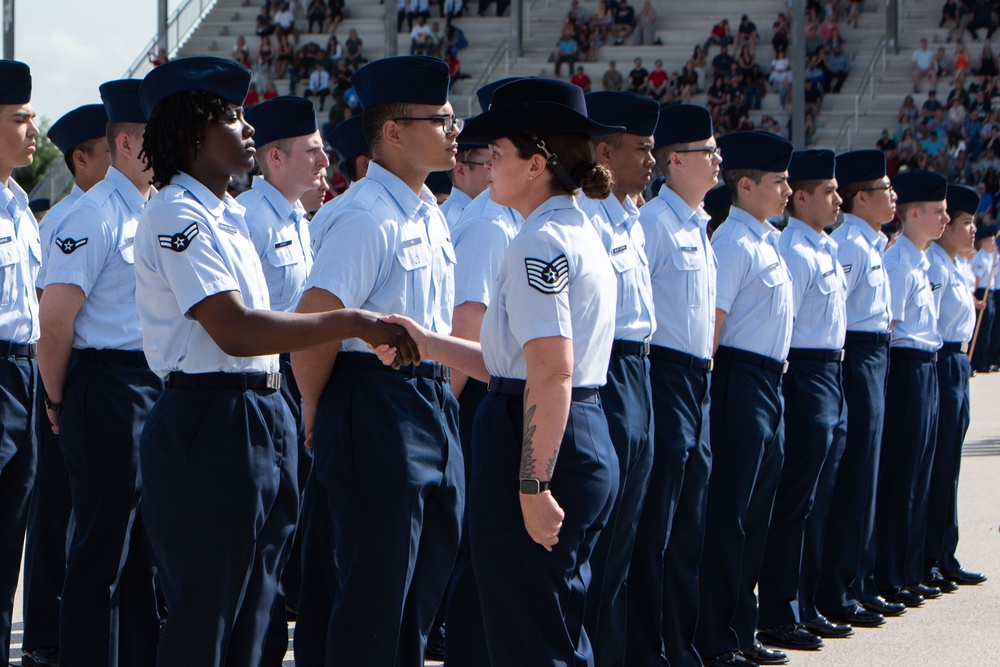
[396,340]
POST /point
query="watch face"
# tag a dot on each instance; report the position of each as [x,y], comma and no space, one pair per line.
[530,486]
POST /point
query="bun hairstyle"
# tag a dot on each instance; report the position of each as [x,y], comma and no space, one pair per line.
[571,160]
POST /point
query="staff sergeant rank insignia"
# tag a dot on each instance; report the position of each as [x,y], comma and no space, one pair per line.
[179,242]
[548,277]
[68,245]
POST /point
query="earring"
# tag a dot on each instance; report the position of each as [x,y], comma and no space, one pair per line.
[530,177]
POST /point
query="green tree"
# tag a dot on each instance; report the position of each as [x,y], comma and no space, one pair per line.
[46,154]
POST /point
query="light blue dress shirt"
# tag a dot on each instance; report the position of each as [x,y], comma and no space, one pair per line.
[617,224]
[819,287]
[556,280]
[48,225]
[981,263]
[454,206]
[952,296]
[388,251]
[914,310]
[859,250]
[191,245]
[93,248]
[754,288]
[481,237]
[682,267]
[280,234]
[20,260]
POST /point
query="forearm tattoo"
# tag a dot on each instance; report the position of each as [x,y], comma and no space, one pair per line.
[527,442]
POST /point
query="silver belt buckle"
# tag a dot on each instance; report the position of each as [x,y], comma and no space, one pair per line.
[273,381]
[711,365]
[965,348]
[784,368]
[841,355]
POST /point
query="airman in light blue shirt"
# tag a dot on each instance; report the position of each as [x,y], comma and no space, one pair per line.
[914,309]
[47,228]
[20,260]
[859,251]
[481,237]
[819,287]
[952,295]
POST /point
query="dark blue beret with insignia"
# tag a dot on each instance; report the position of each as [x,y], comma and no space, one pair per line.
[755,150]
[282,118]
[811,165]
[911,186]
[985,232]
[717,199]
[407,79]
[860,167]
[15,82]
[223,77]
[962,198]
[638,114]
[79,125]
[348,139]
[485,94]
[683,123]
[438,182]
[39,205]
[121,101]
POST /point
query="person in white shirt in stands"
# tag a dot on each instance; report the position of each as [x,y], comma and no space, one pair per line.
[319,84]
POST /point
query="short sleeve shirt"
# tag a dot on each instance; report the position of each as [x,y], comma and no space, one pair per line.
[819,287]
[914,309]
[922,57]
[481,237]
[48,225]
[20,260]
[981,263]
[952,295]
[859,250]
[453,207]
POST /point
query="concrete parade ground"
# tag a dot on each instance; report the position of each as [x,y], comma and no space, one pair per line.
[961,628]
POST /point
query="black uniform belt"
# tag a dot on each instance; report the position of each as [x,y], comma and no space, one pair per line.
[680,358]
[632,348]
[425,369]
[869,337]
[129,357]
[26,350]
[814,354]
[241,381]
[955,347]
[752,359]
[912,353]
[516,387]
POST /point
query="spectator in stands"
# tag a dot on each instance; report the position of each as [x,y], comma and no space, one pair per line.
[159,58]
[909,109]
[638,78]
[688,83]
[971,131]
[601,22]
[342,77]
[746,35]
[769,124]
[722,61]
[908,146]
[454,40]
[265,56]
[959,93]
[854,10]
[334,16]
[612,79]
[624,22]
[437,39]
[581,79]
[814,98]
[829,26]
[421,38]
[265,24]
[645,25]
[451,9]
[241,53]
[334,52]
[745,61]
[284,20]
[353,48]
[931,105]
[885,141]
[284,57]
[754,87]
[252,98]
[415,9]
[455,67]
[270,91]
[838,66]
[699,62]
[934,146]
[960,61]
[982,15]
[957,113]
[943,65]
[719,36]
[779,29]
[833,41]
[316,15]
[923,59]
[951,16]
[814,41]
[781,75]
[656,82]
[319,84]
[989,65]
[717,99]
[567,51]
[814,73]
[577,13]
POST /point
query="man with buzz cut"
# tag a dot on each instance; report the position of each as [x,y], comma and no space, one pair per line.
[468,180]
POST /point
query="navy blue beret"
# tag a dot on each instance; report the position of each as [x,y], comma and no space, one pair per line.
[683,123]
[755,150]
[282,118]
[79,125]
[407,79]
[657,185]
[348,139]
[890,228]
[914,186]
[535,106]
[121,101]
[470,145]
[637,114]
[811,165]
[485,94]
[860,167]
[717,199]
[962,198]
[985,232]
[15,82]
[223,77]
[438,182]
[39,205]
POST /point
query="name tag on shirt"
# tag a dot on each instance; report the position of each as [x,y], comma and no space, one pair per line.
[228,228]
[620,249]
[283,244]
[829,273]
[6,239]
[409,243]
[688,248]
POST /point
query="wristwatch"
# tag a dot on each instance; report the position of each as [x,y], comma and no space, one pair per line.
[532,487]
[55,407]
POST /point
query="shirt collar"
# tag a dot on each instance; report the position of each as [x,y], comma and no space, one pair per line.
[407,200]
[13,198]
[876,239]
[760,229]
[551,204]
[914,255]
[620,214]
[819,240]
[936,249]
[680,208]
[129,193]
[459,198]
[217,207]
[277,200]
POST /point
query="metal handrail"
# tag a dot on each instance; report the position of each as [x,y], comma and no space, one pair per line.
[502,51]
[843,134]
[527,14]
[867,83]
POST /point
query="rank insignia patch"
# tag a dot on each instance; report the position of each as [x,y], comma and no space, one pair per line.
[179,242]
[548,277]
[68,245]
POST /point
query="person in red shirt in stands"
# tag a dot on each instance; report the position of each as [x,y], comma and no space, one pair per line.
[581,79]
[656,84]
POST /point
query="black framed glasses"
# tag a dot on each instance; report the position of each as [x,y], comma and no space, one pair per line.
[478,164]
[448,123]
[711,151]
[881,187]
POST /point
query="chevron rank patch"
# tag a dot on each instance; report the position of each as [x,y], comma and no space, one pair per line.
[68,245]
[848,267]
[548,277]
[179,242]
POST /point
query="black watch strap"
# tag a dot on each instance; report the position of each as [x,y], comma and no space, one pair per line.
[532,487]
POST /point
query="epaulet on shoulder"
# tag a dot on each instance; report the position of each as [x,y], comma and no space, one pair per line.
[367,194]
[98,194]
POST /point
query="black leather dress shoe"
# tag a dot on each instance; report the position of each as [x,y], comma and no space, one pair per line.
[929,592]
[821,626]
[734,659]
[879,605]
[857,616]
[793,637]
[935,580]
[762,655]
[903,596]
[964,577]
[41,657]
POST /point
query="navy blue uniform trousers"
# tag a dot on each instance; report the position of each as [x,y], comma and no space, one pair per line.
[46,541]
[993,349]
[814,406]
[911,423]
[663,606]
[953,422]
[628,406]
[848,567]
[291,579]
[533,599]
[987,314]
[104,613]
[220,500]
[747,450]
[386,448]
[18,460]
[319,575]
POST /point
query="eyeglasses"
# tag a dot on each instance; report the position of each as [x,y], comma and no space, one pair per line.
[711,151]
[881,187]
[478,164]
[448,123]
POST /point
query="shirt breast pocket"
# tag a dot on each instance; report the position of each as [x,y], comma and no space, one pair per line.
[9,258]
[924,302]
[126,272]
[690,265]
[773,304]
[288,261]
